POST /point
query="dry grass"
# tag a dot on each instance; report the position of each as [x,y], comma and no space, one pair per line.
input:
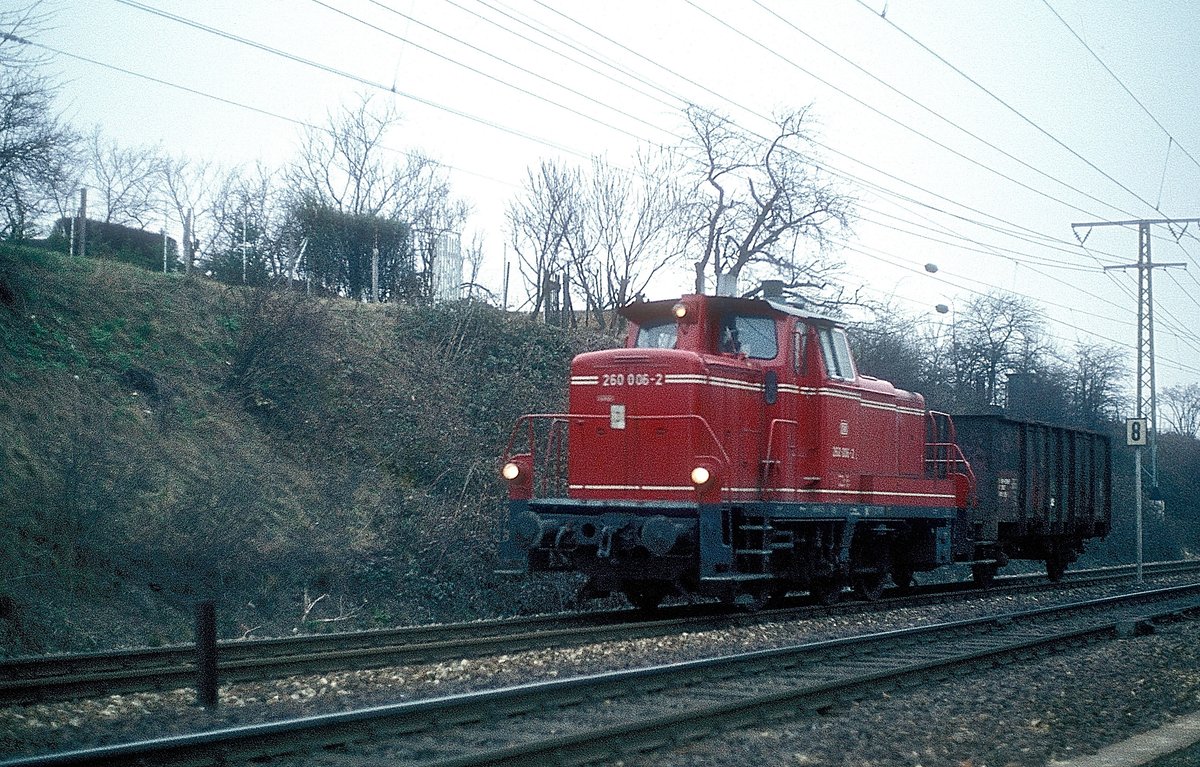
[164,439]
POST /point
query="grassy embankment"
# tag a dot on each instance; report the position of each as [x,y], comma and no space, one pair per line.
[308,463]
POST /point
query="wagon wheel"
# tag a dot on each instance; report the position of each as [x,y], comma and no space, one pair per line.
[645,596]
[983,575]
[826,590]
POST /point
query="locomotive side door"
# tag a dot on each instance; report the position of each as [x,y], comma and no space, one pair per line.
[754,346]
[838,406]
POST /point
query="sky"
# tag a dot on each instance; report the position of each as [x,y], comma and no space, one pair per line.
[972,134]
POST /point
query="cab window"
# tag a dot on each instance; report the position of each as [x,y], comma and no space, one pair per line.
[659,335]
[800,349]
[835,354]
[751,335]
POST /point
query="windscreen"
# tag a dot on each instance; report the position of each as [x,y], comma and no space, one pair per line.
[657,335]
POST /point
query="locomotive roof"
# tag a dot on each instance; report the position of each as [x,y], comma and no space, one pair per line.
[640,311]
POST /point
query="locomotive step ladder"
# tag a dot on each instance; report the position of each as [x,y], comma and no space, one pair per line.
[755,541]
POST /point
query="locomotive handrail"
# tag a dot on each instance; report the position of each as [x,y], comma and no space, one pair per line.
[528,420]
[767,459]
[951,455]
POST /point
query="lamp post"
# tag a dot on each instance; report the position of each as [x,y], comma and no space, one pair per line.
[945,309]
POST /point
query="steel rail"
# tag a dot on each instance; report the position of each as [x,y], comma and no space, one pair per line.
[62,677]
[733,690]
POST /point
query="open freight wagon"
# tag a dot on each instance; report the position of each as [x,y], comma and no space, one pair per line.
[1043,490]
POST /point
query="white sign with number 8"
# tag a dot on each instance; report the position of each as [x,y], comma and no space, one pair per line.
[1135,431]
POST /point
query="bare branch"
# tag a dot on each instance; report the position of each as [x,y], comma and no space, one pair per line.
[758,199]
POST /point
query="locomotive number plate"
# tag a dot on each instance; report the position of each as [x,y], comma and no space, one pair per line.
[631,379]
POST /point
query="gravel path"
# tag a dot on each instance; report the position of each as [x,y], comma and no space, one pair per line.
[1054,708]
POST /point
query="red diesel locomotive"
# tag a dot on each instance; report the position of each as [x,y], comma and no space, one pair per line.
[731,449]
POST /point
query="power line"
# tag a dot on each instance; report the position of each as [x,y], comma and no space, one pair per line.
[935,113]
[1003,103]
[826,165]
[627,75]
[980,247]
[899,262]
[350,76]
[492,77]
[1170,138]
[243,105]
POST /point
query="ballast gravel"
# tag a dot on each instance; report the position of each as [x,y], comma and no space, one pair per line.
[1024,714]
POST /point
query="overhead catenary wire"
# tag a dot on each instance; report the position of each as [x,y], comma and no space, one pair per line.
[935,113]
[1028,120]
[943,277]
[351,76]
[494,78]
[1171,140]
[242,105]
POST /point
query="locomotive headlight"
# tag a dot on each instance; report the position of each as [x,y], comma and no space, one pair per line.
[701,476]
[510,471]
[679,310]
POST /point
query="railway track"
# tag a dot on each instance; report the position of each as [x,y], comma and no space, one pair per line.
[614,715]
[60,677]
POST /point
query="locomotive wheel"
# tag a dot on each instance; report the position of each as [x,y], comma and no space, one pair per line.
[903,578]
[869,585]
[645,596]
[827,590]
[751,600]
[983,575]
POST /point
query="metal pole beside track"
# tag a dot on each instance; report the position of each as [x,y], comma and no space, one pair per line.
[1137,495]
[206,654]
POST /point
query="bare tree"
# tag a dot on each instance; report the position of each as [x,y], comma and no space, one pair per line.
[251,228]
[184,188]
[997,333]
[638,219]
[761,200]
[1095,392]
[895,346]
[473,258]
[345,167]
[125,181]
[1181,406]
[36,148]
[540,223]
